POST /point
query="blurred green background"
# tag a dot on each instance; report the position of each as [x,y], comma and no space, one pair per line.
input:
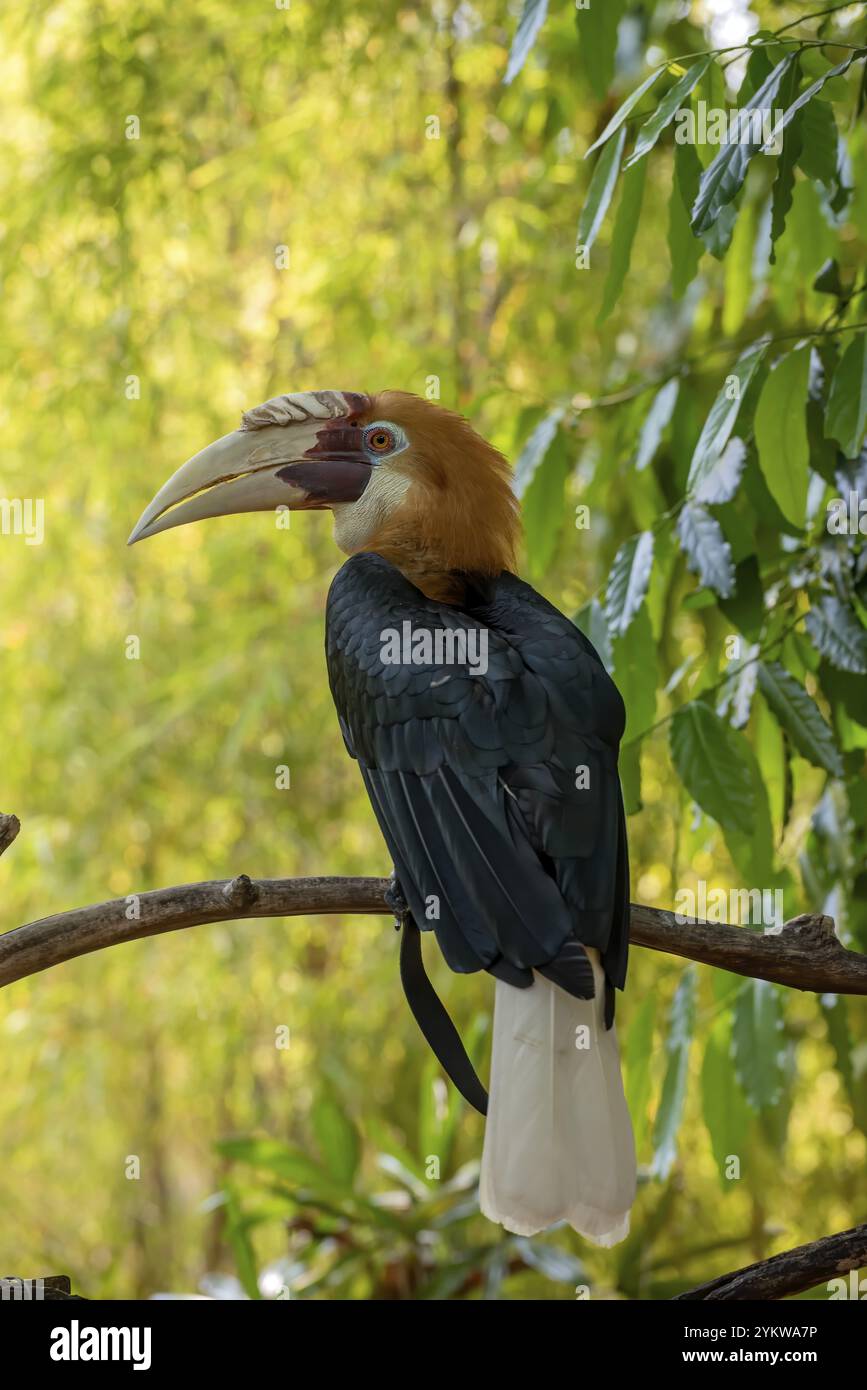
[283,220]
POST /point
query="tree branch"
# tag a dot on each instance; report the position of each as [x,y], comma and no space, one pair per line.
[9,827]
[792,1272]
[804,954]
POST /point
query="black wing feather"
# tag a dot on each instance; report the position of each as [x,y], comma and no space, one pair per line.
[472,776]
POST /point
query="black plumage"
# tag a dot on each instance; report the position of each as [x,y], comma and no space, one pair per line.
[513,856]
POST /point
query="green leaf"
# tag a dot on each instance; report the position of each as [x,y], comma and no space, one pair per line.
[656,422]
[628,580]
[629,767]
[238,1232]
[764,509]
[680,1028]
[836,1016]
[781,434]
[600,191]
[665,111]
[711,91]
[811,91]
[685,249]
[723,414]
[835,1010]
[278,1158]
[784,184]
[846,415]
[535,450]
[625,227]
[441,1106]
[593,623]
[847,695]
[663,574]
[772,754]
[717,238]
[800,717]
[712,762]
[395,1168]
[808,242]
[765,54]
[698,599]
[837,634]
[746,607]
[736,695]
[547,461]
[758,1043]
[818,157]
[722,179]
[438,1112]
[623,111]
[639,1044]
[721,482]
[559,1265]
[775,1119]
[636,675]
[828,279]
[531,21]
[726,1113]
[708,553]
[739,271]
[337,1137]
[752,847]
[597,26]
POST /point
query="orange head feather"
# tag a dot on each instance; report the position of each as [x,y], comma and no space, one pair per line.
[460,514]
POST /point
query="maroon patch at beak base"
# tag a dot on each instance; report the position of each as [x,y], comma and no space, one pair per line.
[328,479]
[339,469]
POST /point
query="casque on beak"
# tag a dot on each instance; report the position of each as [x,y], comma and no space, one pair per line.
[300,451]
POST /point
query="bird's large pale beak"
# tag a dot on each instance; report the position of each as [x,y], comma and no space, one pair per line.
[302,452]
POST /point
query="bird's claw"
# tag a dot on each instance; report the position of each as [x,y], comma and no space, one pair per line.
[397,902]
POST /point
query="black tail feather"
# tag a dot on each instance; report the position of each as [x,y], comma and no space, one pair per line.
[571,970]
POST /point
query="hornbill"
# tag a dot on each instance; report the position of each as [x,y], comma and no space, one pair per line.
[486,729]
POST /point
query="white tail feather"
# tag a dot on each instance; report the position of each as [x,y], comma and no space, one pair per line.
[558,1138]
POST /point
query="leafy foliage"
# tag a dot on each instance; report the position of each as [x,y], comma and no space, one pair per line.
[713,764]
[677,1048]
[414,1238]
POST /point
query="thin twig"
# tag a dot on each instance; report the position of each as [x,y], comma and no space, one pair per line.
[687,364]
[817,14]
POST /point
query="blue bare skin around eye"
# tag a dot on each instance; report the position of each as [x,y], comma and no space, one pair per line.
[400,439]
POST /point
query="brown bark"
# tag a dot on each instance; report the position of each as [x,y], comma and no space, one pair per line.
[792,1272]
[804,954]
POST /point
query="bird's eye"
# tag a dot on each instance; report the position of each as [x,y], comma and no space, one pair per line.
[382,439]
